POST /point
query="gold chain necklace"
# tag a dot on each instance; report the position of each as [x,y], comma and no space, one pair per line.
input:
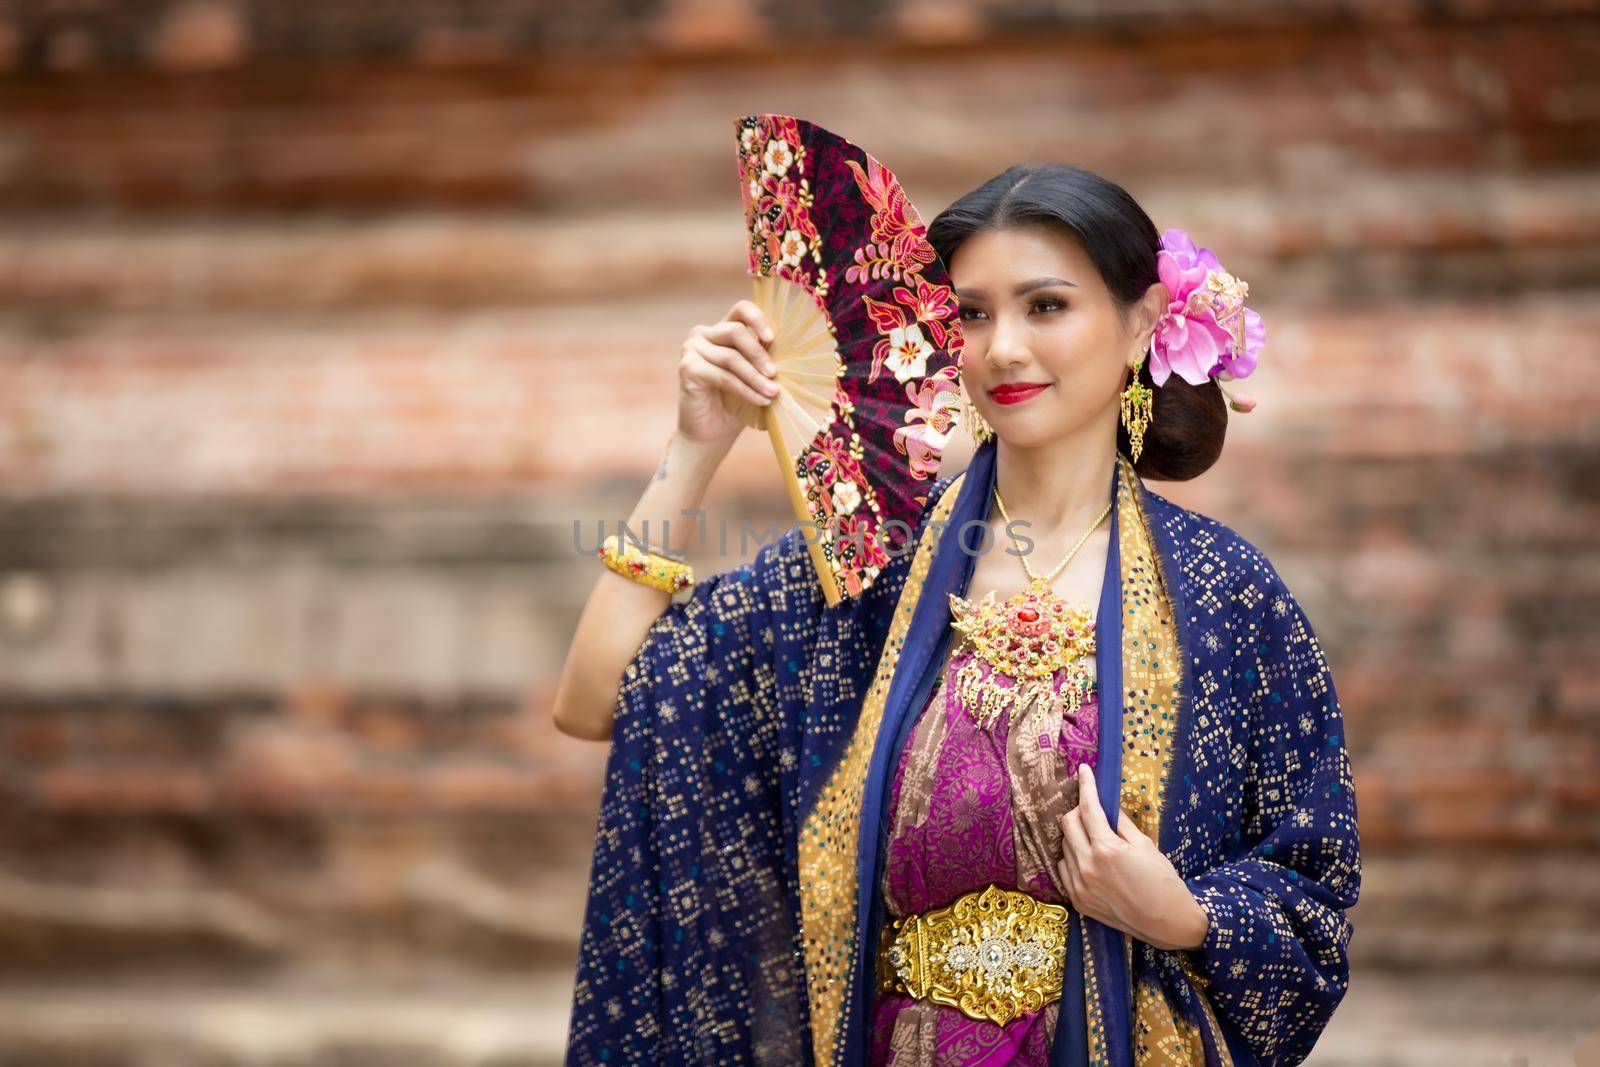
[1047,579]
[1030,637]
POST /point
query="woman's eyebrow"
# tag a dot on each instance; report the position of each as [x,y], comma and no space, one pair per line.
[1025,287]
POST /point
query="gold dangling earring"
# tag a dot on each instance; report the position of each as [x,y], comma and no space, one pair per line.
[975,423]
[1138,407]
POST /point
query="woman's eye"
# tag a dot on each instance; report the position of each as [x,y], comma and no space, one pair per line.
[1046,305]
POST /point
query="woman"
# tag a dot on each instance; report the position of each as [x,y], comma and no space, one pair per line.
[901,830]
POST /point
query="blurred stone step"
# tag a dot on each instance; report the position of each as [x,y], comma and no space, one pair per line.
[1388,1019]
[520,1024]
[1413,233]
[1462,1018]
[432,917]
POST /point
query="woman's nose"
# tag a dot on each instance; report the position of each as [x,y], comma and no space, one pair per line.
[1005,350]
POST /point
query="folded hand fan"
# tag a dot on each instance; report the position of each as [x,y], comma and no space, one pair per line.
[867,343]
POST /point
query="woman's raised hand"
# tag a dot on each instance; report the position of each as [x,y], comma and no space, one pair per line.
[729,357]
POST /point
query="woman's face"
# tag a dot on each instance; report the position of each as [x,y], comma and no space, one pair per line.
[1034,311]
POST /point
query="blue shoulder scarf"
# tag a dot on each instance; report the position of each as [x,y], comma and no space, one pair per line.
[732,915]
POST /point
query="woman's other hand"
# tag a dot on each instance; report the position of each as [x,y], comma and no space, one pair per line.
[1122,879]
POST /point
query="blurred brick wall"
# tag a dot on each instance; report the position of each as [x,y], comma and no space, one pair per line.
[320,325]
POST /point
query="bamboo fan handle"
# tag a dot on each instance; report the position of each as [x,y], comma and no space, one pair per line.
[807,357]
[797,501]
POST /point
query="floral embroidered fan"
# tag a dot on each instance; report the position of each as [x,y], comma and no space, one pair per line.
[868,343]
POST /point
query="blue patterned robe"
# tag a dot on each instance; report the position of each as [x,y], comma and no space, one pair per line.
[731,914]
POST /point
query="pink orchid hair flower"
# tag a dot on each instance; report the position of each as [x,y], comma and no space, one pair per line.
[1206,331]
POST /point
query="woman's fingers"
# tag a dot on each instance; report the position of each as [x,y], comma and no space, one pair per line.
[1074,858]
[721,363]
[710,344]
[709,365]
[1075,842]
[750,313]
[1094,816]
[735,363]
[746,330]
[1069,879]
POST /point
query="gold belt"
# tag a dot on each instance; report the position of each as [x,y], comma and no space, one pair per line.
[993,954]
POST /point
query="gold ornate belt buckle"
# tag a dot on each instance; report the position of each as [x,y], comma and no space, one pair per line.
[993,954]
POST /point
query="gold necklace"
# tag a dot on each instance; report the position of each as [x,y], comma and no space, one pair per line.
[1047,579]
[1030,637]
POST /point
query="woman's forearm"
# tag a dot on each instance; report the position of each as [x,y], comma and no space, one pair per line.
[619,611]
[724,362]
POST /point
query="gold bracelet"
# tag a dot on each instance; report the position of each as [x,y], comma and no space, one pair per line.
[647,568]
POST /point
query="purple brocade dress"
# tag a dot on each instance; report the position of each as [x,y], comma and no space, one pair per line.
[970,807]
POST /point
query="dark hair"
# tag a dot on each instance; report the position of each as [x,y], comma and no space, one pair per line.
[1188,421]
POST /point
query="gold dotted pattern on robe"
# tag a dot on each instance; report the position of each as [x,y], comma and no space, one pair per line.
[1152,673]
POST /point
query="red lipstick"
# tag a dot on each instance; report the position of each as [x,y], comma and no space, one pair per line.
[1017,392]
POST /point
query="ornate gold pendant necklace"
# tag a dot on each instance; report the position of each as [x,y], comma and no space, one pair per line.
[1030,637]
